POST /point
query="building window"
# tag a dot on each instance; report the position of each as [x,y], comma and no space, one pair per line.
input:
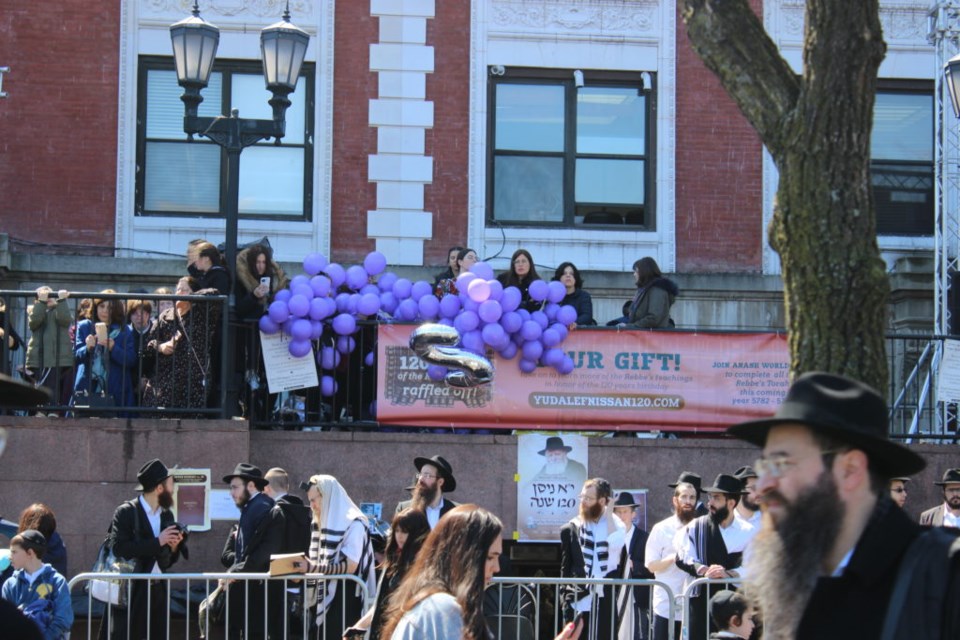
[902,158]
[179,177]
[563,155]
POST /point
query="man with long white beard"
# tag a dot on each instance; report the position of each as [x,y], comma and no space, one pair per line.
[661,557]
[434,479]
[712,546]
[590,547]
[829,561]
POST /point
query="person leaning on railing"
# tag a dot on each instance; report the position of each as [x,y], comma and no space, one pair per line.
[106,356]
[650,307]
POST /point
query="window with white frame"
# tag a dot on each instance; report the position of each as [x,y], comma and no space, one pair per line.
[181,177]
[570,149]
[902,158]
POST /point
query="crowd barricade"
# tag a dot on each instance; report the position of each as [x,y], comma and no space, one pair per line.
[519,608]
[192,366]
[275,611]
[691,606]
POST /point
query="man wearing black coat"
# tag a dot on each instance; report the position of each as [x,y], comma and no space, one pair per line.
[633,603]
[434,480]
[259,534]
[143,530]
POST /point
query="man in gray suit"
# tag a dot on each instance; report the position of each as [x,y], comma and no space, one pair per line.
[948,513]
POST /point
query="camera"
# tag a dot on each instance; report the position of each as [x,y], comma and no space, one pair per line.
[181,529]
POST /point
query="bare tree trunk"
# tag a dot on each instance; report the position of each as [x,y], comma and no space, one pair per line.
[817,128]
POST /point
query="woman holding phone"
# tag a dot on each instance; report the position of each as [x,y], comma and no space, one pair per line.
[258,279]
[105,352]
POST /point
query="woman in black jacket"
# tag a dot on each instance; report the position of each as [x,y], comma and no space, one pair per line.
[569,276]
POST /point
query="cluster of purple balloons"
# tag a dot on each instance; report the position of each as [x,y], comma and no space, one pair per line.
[484,313]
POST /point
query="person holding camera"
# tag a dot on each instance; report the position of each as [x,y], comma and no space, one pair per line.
[49,350]
[143,530]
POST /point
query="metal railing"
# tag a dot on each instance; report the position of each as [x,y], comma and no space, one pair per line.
[164,606]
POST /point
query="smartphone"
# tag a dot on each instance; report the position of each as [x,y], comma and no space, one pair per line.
[101,328]
[265,281]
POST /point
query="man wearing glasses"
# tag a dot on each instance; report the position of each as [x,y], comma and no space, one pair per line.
[833,564]
[434,479]
[948,513]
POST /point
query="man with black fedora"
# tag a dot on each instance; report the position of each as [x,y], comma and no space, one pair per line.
[693,479]
[633,603]
[259,534]
[841,560]
[948,513]
[748,508]
[143,530]
[434,480]
[558,463]
[712,546]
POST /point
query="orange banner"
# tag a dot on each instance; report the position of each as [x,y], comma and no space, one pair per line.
[623,380]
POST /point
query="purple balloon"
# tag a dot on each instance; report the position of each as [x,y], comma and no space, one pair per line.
[356,277]
[490,311]
[561,330]
[314,263]
[478,290]
[447,322]
[436,373]
[407,310]
[388,302]
[523,314]
[352,303]
[401,288]
[493,335]
[550,338]
[304,290]
[371,357]
[299,305]
[551,309]
[496,289]
[449,306]
[300,329]
[538,290]
[556,291]
[473,341]
[386,281]
[483,270]
[344,324]
[346,345]
[466,321]
[528,366]
[375,263]
[429,307]
[320,286]
[553,357]
[531,330]
[532,350]
[419,289]
[369,288]
[316,329]
[278,311]
[299,348]
[509,351]
[328,358]
[336,273]
[342,300]
[540,318]
[468,304]
[511,321]
[283,295]
[510,300]
[318,309]
[299,279]
[567,315]
[464,280]
[566,366]
[268,325]
[328,386]
[369,304]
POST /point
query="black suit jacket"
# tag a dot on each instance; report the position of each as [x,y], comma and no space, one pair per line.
[447,505]
[261,526]
[638,571]
[142,546]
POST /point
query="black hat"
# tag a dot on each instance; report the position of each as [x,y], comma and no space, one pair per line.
[625,499]
[745,472]
[690,478]
[555,443]
[248,473]
[950,476]
[151,474]
[443,468]
[841,408]
[15,393]
[726,483]
[903,479]
[34,537]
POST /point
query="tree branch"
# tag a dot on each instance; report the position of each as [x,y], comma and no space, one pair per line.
[730,39]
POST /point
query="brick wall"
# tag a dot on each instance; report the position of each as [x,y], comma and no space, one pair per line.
[58,127]
[719,174]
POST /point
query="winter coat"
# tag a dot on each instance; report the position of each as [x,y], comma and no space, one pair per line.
[119,366]
[651,304]
[48,585]
[49,346]
[249,306]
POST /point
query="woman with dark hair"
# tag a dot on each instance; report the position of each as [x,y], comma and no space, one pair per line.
[408,531]
[209,264]
[650,308]
[453,269]
[40,517]
[465,259]
[106,354]
[255,266]
[569,276]
[522,272]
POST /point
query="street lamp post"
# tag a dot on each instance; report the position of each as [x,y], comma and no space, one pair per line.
[283,47]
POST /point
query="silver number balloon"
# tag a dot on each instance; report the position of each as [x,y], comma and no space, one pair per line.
[437,344]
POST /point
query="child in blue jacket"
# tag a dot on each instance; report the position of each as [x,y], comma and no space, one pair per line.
[36,588]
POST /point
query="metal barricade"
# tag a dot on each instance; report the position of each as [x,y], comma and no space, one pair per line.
[687,602]
[266,605]
[534,608]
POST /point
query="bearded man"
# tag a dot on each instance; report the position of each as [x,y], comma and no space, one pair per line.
[712,546]
[748,508]
[948,513]
[829,561]
[434,479]
[143,530]
[590,547]
[661,557]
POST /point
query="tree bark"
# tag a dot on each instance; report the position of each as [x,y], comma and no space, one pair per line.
[817,129]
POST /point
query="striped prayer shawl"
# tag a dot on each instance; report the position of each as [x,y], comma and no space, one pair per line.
[325,550]
[593,551]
